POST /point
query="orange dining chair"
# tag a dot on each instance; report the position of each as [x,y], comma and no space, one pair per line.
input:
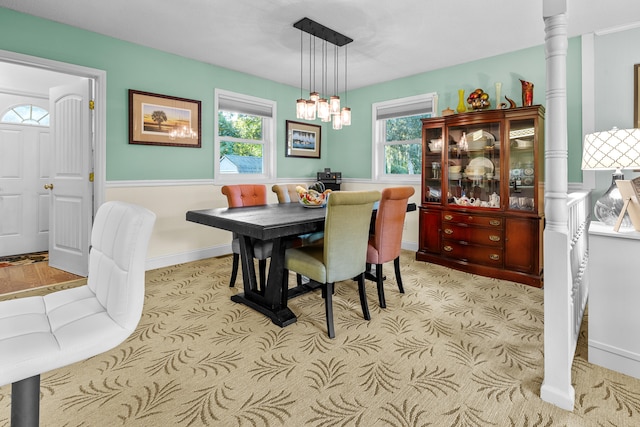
[385,243]
[248,195]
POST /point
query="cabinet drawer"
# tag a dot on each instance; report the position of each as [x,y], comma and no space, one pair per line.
[485,255]
[473,235]
[464,218]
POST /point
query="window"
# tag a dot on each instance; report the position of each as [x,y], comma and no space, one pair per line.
[397,137]
[26,114]
[245,138]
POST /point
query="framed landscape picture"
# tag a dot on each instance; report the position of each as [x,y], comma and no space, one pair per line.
[163,120]
[303,140]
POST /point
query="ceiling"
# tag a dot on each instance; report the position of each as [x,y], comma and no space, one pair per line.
[391,39]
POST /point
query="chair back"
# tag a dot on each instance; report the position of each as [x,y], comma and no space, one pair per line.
[119,240]
[392,210]
[346,233]
[245,195]
[287,193]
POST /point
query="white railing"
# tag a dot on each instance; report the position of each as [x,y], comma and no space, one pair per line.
[579,208]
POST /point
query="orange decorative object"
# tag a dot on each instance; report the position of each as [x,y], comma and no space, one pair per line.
[527,93]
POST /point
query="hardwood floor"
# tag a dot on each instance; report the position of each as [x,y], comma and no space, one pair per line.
[24,277]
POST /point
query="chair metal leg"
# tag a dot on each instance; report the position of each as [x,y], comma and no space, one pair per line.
[380,283]
[363,297]
[328,304]
[396,265]
[25,402]
[234,270]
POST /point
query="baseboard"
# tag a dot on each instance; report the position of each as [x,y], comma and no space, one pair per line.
[614,358]
[410,246]
[181,258]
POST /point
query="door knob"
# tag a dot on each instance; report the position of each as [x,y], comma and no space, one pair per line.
[48,186]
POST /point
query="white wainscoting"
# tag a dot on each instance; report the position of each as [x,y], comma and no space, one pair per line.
[175,241]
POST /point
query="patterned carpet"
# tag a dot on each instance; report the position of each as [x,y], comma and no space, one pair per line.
[455,350]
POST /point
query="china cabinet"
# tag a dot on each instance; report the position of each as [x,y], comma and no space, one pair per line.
[482,206]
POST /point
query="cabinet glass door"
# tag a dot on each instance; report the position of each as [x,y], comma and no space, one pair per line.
[522,171]
[473,166]
[432,166]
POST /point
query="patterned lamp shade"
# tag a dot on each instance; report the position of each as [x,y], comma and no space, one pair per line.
[614,149]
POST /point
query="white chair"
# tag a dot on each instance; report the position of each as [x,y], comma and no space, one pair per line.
[39,334]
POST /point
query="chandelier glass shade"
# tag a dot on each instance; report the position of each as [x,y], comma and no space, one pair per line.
[319,105]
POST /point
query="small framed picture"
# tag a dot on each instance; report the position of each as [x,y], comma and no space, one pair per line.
[303,140]
[163,120]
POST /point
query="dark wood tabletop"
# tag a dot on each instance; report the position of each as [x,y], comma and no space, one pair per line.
[279,223]
[264,222]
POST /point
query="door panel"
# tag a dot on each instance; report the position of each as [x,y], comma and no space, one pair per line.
[23,200]
[70,204]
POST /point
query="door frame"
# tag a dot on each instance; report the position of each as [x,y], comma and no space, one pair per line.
[100,110]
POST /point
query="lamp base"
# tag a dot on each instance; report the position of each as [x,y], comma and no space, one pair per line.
[608,207]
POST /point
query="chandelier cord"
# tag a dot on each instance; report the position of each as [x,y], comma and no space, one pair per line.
[345,74]
[301,69]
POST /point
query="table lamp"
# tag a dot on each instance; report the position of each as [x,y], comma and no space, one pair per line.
[615,150]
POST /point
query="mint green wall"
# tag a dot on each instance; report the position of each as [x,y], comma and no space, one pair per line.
[354,143]
[615,56]
[130,66]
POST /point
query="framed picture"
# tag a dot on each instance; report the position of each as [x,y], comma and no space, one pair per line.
[163,120]
[303,140]
[636,96]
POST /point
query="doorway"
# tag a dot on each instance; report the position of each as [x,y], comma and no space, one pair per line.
[24,82]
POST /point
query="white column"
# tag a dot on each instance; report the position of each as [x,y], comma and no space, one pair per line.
[558,343]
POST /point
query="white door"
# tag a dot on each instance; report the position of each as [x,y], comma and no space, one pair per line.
[70,187]
[24,203]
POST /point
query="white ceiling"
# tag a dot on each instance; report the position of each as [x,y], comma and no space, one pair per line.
[392,39]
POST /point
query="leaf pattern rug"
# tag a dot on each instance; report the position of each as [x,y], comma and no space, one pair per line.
[455,350]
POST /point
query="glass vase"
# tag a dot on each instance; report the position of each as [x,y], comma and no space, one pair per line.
[461,105]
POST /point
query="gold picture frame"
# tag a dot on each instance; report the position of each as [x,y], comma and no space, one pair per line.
[156,119]
[636,96]
[303,140]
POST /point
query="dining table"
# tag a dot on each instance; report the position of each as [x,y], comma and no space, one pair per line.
[280,223]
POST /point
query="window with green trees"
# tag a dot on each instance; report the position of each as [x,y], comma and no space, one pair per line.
[243,137]
[403,145]
[397,139]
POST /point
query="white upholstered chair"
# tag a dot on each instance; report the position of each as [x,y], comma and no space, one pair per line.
[42,333]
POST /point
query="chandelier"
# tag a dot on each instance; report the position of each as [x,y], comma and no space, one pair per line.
[319,105]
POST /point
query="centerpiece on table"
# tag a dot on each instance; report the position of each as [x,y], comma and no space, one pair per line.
[315,196]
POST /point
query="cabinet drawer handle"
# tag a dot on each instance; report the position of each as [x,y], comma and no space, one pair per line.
[448,248]
[494,222]
[448,217]
[448,231]
[494,238]
[494,257]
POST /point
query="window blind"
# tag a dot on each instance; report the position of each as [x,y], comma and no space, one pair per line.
[421,106]
[243,106]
